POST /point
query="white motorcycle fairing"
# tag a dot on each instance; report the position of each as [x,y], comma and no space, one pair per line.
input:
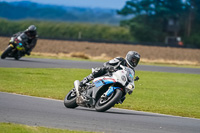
[103,92]
[124,76]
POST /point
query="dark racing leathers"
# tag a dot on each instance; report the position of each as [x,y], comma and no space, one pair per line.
[109,66]
[29,44]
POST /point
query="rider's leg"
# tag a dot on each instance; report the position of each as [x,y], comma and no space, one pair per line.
[97,73]
[86,80]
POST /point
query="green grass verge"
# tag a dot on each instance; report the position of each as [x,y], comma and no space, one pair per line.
[169,65]
[18,128]
[167,93]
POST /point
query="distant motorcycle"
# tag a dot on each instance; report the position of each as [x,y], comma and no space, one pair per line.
[104,92]
[15,50]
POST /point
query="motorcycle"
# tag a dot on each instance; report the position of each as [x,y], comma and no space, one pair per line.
[15,49]
[103,92]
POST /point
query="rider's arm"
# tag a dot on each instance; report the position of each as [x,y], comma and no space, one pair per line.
[109,66]
[23,38]
[33,43]
[113,64]
[13,37]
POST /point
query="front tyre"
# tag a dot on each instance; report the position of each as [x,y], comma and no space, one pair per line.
[70,99]
[17,56]
[104,104]
[6,52]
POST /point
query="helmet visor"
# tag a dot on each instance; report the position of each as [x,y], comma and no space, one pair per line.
[31,34]
[134,62]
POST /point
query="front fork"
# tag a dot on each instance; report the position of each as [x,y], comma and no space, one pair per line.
[10,53]
[111,90]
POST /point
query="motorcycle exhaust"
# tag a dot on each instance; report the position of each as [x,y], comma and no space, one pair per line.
[76,86]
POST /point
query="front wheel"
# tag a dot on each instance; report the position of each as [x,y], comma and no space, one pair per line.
[6,52]
[70,99]
[17,56]
[104,104]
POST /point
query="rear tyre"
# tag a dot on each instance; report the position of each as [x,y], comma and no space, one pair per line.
[70,99]
[6,52]
[104,104]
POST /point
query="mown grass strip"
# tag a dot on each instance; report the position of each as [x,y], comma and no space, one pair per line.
[18,128]
[167,93]
[103,59]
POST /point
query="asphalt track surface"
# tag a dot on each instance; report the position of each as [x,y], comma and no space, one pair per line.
[57,63]
[36,111]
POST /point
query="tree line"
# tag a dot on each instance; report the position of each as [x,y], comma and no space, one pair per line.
[71,31]
[20,10]
[132,34]
[154,20]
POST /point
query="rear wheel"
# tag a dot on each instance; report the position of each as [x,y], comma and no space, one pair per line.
[70,99]
[105,103]
[6,52]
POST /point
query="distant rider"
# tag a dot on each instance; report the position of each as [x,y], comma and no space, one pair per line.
[131,60]
[28,38]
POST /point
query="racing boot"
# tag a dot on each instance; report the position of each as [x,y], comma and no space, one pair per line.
[85,80]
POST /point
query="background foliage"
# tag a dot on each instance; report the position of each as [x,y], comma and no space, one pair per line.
[72,31]
[29,10]
[146,22]
[151,21]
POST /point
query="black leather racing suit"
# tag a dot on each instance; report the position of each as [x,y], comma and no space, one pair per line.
[29,44]
[109,66]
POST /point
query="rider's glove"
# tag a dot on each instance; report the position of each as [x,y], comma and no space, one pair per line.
[136,78]
[11,40]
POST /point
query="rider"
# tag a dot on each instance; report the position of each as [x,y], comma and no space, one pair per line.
[28,38]
[132,59]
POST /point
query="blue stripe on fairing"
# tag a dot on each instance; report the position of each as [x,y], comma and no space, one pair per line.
[99,83]
[108,81]
[111,90]
[131,76]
